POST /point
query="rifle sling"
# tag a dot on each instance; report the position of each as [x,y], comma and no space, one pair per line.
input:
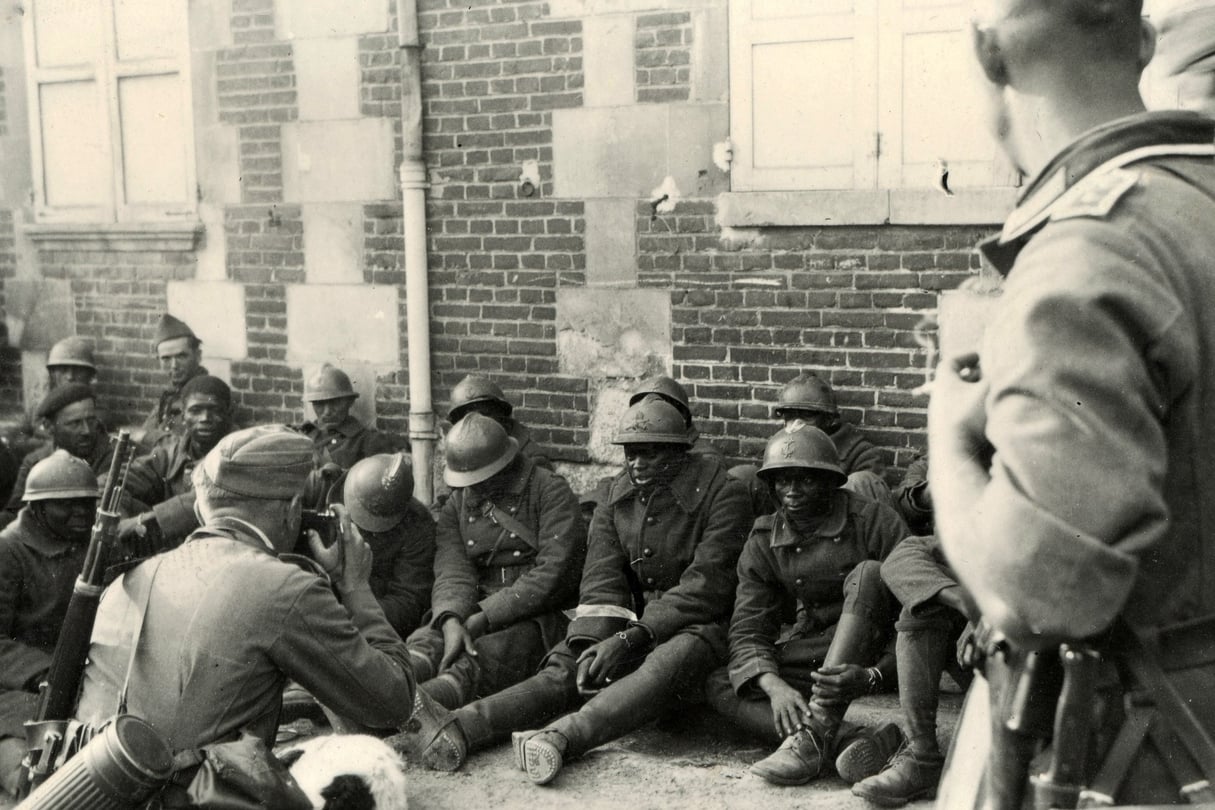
[142,597]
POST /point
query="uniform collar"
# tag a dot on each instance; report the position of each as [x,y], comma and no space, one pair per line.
[174,392]
[523,472]
[237,529]
[689,486]
[34,535]
[784,535]
[1121,141]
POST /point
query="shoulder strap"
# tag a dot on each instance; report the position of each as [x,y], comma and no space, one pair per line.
[512,524]
[141,599]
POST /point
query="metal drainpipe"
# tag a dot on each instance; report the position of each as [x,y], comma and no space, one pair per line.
[422,435]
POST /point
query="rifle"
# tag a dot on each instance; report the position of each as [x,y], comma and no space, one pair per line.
[47,733]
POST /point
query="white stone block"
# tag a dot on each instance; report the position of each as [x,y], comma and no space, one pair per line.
[215,310]
[609,151]
[213,254]
[302,19]
[35,382]
[607,57]
[218,367]
[327,78]
[692,131]
[210,26]
[611,401]
[218,149]
[333,243]
[611,242]
[613,333]
[338,161]
[336,323]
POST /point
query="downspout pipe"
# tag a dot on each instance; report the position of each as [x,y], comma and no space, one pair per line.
[422,434]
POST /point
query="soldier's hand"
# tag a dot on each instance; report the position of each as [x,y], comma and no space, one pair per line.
[477,625]
[584,667]
[790,710]
[957,417]
[838,684]
[456,640]
[604,657]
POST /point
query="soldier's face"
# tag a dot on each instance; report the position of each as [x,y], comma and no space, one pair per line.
[73,428]
[205,418]
[332,412]
[179,359]
[818,419]
[648,463]
[70,518]
[803,491]
[62,375]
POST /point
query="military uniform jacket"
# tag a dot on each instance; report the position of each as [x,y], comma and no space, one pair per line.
[402,568]
[778,563]
[37,572]
[857,454]
[350,442]
[909,497]
[481,563]
[227,624]
[665,560]
[165,418]
[98,459]
[1100,363]
[165,472]
[916,571]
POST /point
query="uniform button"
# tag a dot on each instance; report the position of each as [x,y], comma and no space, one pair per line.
[651,519]
[836,539]
[799,581]
[798,550]
[649,552]
[472,518]
[472,542]
[514,536]
[518,553]
[649,580]
[514,509]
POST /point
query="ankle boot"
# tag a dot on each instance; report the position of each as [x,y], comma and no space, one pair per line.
[909,777]
[798,760]
[445,691]
[543,755]
[867,752]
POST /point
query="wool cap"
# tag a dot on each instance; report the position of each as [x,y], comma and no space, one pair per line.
[206,384]
[169,328]
[269,461]
[62,397]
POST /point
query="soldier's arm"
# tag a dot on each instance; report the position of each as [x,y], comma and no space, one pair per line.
[883,529]
[605,601]
[19,663]
[553,581]
[866,457]
[756,622]
[1080,364]
[407,594]
[455,588]
[705,592]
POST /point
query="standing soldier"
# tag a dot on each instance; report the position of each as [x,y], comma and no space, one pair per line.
[180,354]
[823,548]
[69,415]
[510,548]
[1071,458]
[41,554]
[656,595]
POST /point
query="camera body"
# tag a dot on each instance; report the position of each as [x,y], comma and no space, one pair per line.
[322,521]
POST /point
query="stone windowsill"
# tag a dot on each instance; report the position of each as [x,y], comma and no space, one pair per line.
[758,209]
[147,237]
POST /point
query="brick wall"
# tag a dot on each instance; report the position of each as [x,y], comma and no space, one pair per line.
[663,57]
[10,358]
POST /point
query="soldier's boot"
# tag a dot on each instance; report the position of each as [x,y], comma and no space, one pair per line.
[865,751]
[456,686]
[915,770]
[855,640]
[431,736]
[423,668]
[799,759]
[543,753]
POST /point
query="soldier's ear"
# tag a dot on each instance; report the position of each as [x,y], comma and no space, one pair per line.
[989,54]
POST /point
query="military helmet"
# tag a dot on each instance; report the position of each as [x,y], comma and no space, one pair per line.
[806,392]
[652,421]
[378,490]
[666,388]
[60,476]
[329,382]
[473,389]
[72,351]
[801,446]
[477,449]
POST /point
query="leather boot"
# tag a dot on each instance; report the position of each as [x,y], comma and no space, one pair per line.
[431,736]
[798,760]
[909,777]
[445,691]
[867,752]
[543,754]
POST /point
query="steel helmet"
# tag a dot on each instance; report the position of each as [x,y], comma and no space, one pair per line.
[330,382]
[652,421]
[806,392]
[801,446]
[60,476]
[477,449]
[378,491]
[473,389]
[72,351]
[667,388]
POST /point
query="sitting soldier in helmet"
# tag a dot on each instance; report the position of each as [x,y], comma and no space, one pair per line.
[69,416]
[477,394]
[655,599]
[669,390]
[41,554]
[509,551]
[338,437]
[823,547]
[378,494]
[159,488]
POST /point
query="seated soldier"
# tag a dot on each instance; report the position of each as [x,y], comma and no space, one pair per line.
[667,389]
[338,437]
[159,486]
[253,620]
[823,547]
[41,554]
[378,494]
[477,394]
[913,499]
[69,415]
[935,613]
[656,594]
[179,352]
[509,551]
